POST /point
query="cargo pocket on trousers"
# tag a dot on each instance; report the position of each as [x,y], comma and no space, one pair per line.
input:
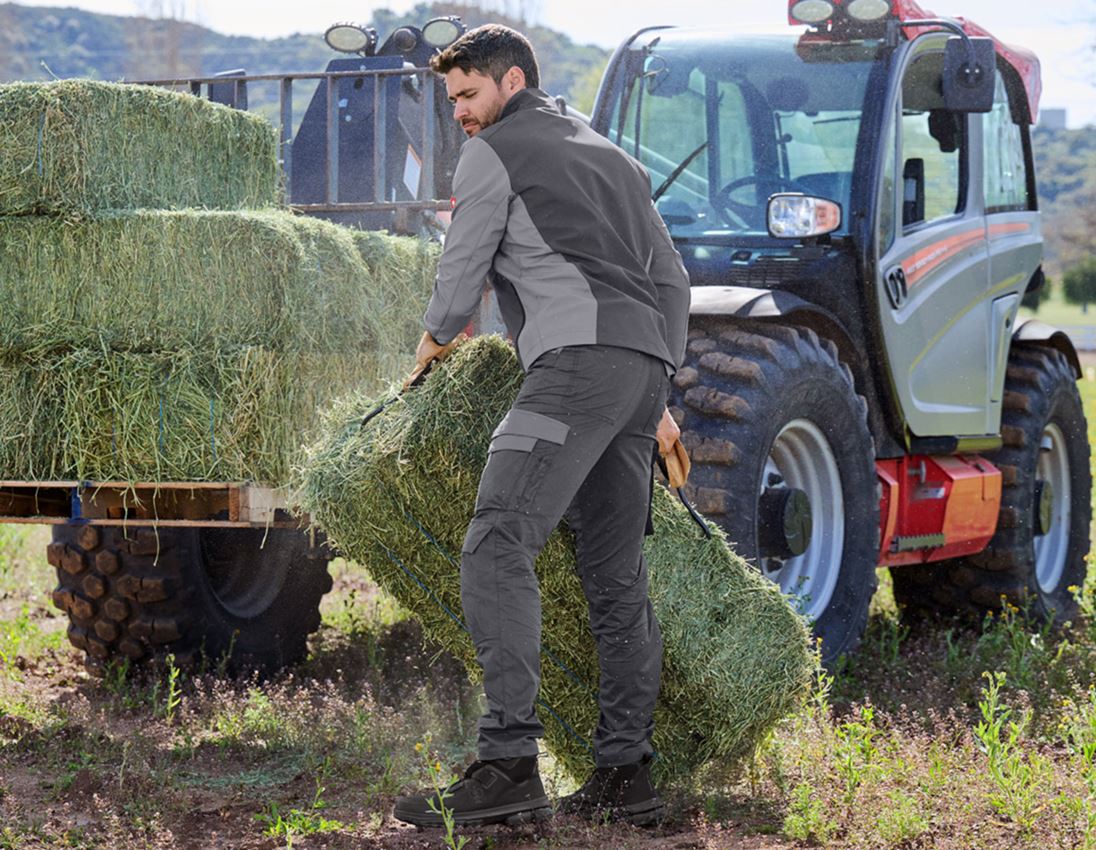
[522,447]
[478,529]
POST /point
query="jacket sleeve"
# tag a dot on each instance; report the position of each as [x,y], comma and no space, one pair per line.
[672,285]
[482,191]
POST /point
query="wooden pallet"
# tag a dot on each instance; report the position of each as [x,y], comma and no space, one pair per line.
[167,504]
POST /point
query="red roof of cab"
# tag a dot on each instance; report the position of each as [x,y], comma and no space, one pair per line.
[1023,60]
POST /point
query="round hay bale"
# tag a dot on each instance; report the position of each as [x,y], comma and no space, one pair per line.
[73,147]
[397,495]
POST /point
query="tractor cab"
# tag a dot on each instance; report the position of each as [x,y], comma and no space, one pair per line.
[874,171]
[855,204]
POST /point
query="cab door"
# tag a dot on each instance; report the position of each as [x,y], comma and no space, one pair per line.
[933,270]
[1013,226]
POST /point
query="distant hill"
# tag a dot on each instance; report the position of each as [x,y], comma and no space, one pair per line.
[39,43]
[1065,168]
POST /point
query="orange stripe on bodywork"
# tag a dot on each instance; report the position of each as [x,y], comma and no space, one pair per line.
[924,261]
[1009,228]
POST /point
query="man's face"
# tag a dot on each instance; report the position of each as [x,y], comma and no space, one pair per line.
[477,99]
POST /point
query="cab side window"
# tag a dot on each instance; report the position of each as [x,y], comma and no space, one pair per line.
[1005,183]
[934,146]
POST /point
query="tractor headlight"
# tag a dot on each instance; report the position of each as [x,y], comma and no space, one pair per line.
[351,38]
[794,216]
[811,11]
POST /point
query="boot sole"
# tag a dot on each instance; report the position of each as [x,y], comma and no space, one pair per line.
[644,817]
[513,814]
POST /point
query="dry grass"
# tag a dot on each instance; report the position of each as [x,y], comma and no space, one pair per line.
[74,147]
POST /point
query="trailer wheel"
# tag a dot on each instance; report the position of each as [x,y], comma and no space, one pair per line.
[783,461]
[221,594]
[1038,552]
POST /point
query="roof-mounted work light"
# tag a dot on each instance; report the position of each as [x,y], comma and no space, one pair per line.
[441,32]
[810,12]
[868,10]
[351,38]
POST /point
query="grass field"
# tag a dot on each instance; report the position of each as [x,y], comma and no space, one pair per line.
[947,736]
[1055,311]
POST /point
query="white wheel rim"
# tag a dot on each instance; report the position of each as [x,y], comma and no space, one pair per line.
[801,457]
[1051,547]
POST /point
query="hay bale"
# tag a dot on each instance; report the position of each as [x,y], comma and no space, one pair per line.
[228,415]
[398,495]
[156,281]
[78,146]
[402,272]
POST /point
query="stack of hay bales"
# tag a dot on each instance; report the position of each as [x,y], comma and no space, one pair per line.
[397,496]
[164,316]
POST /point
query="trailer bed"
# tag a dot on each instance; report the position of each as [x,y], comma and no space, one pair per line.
[166,504]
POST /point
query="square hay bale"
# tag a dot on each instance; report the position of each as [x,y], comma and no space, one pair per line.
[402,272]
[156,281]
[77,146]
[224,415]
[397,495]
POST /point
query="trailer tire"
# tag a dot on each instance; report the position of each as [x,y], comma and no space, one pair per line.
[778,436]
[240,598]
[1036,556]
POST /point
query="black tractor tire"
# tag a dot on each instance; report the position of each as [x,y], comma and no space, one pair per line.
[237,598]
[768,413]
[1032,561]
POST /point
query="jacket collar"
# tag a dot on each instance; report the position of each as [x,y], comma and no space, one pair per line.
[529,98]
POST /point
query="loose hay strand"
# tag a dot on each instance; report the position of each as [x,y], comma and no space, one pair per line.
[736,656]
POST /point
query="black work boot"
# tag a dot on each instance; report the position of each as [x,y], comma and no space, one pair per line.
[617,793]
[497,791]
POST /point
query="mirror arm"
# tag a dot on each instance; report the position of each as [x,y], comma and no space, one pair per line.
[972,68]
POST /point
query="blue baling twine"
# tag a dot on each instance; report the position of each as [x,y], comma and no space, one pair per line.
[212,437]
[395,560]
[41,131]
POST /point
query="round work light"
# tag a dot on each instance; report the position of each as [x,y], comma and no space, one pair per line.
[868,10]
[812,11]
[441,32]
[350,38]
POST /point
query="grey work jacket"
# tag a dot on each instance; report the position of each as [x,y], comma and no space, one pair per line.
[561,222]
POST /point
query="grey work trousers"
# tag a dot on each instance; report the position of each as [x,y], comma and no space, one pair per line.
[579,440]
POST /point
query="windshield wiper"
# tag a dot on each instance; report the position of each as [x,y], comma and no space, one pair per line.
[669,181]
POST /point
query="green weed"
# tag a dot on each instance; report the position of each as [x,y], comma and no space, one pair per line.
[901,820]
[442,781]
[299,822]
[1017,779]
[806,819]
[172,695]
[856,751]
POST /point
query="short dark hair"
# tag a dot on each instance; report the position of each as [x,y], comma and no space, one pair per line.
[492,50]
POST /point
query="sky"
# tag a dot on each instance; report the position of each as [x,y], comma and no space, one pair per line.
[1061,32]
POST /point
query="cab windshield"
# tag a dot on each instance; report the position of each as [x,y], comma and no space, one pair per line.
[724,122]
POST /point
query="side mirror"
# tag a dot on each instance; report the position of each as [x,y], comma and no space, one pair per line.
[795,216]
[969,74]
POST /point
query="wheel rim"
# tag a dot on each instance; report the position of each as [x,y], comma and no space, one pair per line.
[1051,547]
[246,580]
[801,457]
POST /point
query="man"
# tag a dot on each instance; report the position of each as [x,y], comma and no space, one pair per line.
[596,300]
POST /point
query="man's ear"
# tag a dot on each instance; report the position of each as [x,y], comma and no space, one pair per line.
[514,79]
